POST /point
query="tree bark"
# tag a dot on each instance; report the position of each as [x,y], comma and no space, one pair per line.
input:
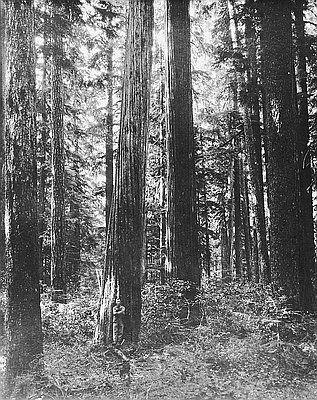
[73,254]
[254,145]
[278,85]
[109,134]
[24,331]
[245,208]
[2,144]
[183,260]
[58,161]
[44,150]
[125,236]
[307,247]
[237,217]
[163,244]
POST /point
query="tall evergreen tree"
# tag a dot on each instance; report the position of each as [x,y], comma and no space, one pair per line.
[307,247]
[125,238]
[182,236]
[58,156]
[24,331]
[254,142]
[279,92]
[44,128]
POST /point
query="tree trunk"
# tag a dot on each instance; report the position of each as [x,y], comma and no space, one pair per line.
[58,283]
[245,208]
[183,260]
[307,247]
[254,146]
[125,236]
[278,84]
[2,150]
[74,231]
[205,216]
[237,218]
[24,331]
[225,244]
[44,151]
[109,134]
[162,181]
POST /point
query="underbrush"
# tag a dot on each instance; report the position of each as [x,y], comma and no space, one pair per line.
[71,322]
[248,342]
[164,311]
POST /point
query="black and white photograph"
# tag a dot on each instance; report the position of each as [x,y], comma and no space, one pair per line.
[158,199]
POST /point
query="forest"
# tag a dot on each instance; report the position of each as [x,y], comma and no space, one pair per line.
[158,199]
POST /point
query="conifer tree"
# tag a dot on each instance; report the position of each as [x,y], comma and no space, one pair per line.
[125,236]
[24,330]
[182,238]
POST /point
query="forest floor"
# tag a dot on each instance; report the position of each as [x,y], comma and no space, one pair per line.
[229,357]
[201,367]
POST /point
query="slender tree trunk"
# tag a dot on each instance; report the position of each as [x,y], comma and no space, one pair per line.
[246,223]
[58,162]
[255,255]
[24,331]
[225,244]
[2,144]
[162,182]
[307,247]
[74,232]
[278,84]
[125,237]
[237,218]
[231,221]
[207,254]
[251,121]
[109,134]
[44,151]
[254,146]
[183,260]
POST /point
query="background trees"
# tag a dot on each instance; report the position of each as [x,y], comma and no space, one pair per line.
[227,167]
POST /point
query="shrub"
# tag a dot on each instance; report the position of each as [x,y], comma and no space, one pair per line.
[73,321]
[162,311]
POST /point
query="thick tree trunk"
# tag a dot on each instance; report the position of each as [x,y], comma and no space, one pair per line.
[24,331]
[307,247]
[2,151]
[278,84]
[125,237]
[183,260]
[58,283]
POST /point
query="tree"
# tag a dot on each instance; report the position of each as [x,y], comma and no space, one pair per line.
[254,145]
[58,158]
[125,236]
[307,247]
[43,195]
[24,331]
[278,86]
[2,152]
[182,239]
